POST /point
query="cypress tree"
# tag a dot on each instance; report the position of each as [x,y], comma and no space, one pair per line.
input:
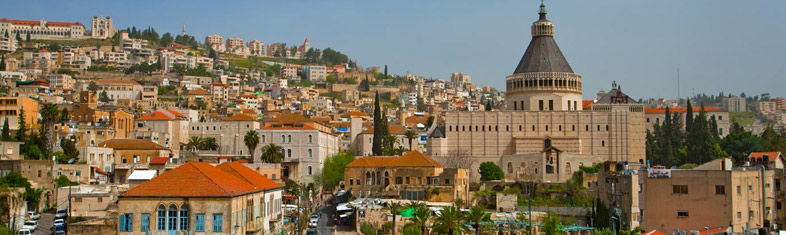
[376,144]
[2,63]
[6,134]
[20,133]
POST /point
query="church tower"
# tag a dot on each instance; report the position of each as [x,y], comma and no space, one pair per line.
[543,80]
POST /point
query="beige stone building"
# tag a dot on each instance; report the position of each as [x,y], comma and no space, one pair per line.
[10,108]
[227,132]
[547,131]
[711,195]
[412,176]
[197,198]
[42,29]
[165,127]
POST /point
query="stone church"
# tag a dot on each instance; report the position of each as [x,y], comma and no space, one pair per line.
[547,130]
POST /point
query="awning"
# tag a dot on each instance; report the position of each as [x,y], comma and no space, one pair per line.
[343,207]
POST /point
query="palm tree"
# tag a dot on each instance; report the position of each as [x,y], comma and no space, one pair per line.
[410,135]
[49,114]
[395,208]
[450,219]
[208,143]
[390,141]
[193,143]
[420,216]
[477,215]
[272,153]
[252,140]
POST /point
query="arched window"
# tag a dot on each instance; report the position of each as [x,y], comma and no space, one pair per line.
[510,168]
[289,152]
[283,139]
[603,143]
[172,218]
[289,138]
[161,218]
[183,218]
[310,139]
[309,170]
[368,178]
[309,153]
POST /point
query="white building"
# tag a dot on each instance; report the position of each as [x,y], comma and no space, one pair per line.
[305,145]
[316,73]
[228,132]
[42,29]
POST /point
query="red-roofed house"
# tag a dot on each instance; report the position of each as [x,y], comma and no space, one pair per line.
[165,127]
[769,159]
[411,176]
[198,197]
[656,115]
[43,29]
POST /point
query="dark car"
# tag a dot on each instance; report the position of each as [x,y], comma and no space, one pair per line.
[311,232]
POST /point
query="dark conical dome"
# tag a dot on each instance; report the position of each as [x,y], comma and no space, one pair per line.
[543,54]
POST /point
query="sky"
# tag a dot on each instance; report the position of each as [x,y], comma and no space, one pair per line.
[717,45]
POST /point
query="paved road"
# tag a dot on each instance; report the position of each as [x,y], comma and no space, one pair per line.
[325,225]
[45,224]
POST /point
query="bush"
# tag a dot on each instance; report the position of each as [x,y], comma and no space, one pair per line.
[490,171]
[368,229]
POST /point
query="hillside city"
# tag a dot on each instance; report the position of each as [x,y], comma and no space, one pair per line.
[109,130]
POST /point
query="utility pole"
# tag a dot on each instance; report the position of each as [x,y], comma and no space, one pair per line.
[531,224]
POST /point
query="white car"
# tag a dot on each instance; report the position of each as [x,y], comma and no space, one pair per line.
[33,215]
[313,222]
[58,222]
[24,232]
[31,225]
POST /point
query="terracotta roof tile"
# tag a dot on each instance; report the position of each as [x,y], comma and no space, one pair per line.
[198,91]
[410,159]
[192,179]
[239,117]
[159,161]
[760,155]
[250,176]
[161,115]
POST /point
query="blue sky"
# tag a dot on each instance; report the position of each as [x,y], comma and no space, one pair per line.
[719,45]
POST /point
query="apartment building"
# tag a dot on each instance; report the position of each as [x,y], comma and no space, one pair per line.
[228,132]
[42,29]
[10,107]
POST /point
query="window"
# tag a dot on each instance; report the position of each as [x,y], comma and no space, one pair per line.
[679,189]
[218,222]
[309,170]
[540,105]
[183,218]
[551,104]
[145,222]
[126,222]
[720,189]
[172,218]
[289,152]
[310,139]
[739,215]
[161,218]
[283,139]
[739,189]
[309,153]
[407,179]
[399,180]
[100,199]
[750,214]
[289,138]
[199,222]
[351,181]
[682,214]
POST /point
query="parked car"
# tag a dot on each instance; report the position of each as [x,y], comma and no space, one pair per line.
[62,232]
[31,225]
[61,214]
[58,228]
[58,222]
[24,232]
[313,222]
[33,215]
[311,232]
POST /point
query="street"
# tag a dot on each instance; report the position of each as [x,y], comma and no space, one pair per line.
[45,224]
[326,226]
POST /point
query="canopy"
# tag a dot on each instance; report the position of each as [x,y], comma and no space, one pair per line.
[408,213]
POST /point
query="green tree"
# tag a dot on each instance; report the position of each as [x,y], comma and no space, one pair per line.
[20,133]
[166,39]
[2,62]
[395,208]
[14,180]
[475,216]
[64,115]
[272,153]
[103,97]
[739,143]
[33,197]
[6,134]
[490,171]
[429,121]
[410,135]
[450,220]
[63,181]
[208,143]
[193,143]
[251,140]
[333,170]
[92,86]
[421,216]
[688,116]
[377,146]
[552,225]
[69,148]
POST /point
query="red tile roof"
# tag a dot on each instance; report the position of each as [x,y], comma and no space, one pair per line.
[239,117]
[161,115]
[198,91]
[720,230]
[586,103]
[681,109]
[99,171]
[393,130]
[250,176]
[410,159]
[654,232]
[757,156]
[159,161]
[193,179]
[36,22]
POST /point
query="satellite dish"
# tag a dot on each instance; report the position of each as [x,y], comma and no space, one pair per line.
[71,161]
